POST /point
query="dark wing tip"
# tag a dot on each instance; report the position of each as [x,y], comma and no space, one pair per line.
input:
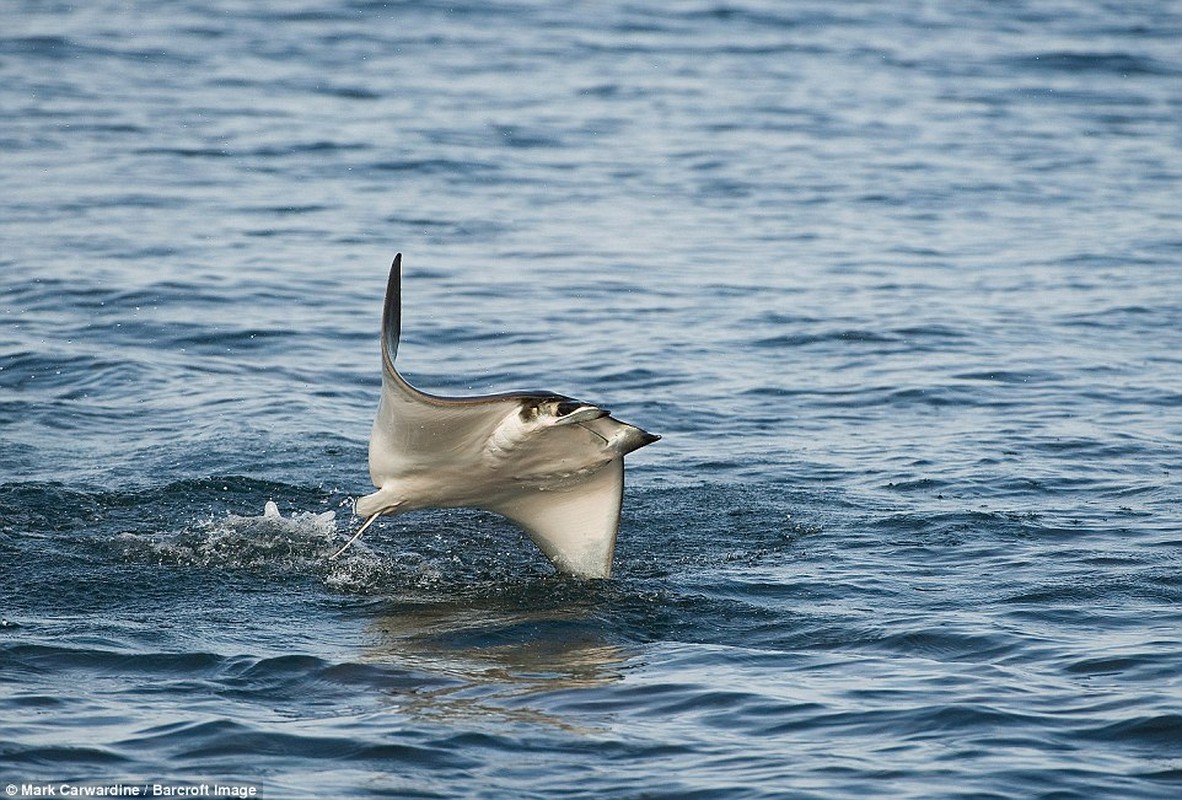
[392,312]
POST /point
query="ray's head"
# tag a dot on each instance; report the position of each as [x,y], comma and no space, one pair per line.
[538,414]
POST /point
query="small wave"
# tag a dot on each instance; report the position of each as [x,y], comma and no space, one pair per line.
[1154,731]
[434,166]
[65,48]
[846,336]
[1113,63]
[59,756]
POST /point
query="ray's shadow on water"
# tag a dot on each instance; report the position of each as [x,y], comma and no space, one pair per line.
[497,657]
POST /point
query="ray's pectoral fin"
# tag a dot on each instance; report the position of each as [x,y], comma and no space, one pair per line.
[576,525]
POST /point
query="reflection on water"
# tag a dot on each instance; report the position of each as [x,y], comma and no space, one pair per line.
[496,659]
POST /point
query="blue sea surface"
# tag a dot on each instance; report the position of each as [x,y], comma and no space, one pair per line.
[899,283]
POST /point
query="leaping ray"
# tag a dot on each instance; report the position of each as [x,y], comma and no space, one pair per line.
[552,464]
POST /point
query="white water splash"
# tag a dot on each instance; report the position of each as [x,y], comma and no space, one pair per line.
[269,541]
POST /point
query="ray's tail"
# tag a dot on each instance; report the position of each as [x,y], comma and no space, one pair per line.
[355,537]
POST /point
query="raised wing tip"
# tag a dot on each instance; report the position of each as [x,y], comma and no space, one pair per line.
[392,313]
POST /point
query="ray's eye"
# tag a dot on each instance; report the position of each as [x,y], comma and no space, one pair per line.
[565,407]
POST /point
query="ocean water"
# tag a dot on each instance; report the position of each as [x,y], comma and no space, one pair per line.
[900,284]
